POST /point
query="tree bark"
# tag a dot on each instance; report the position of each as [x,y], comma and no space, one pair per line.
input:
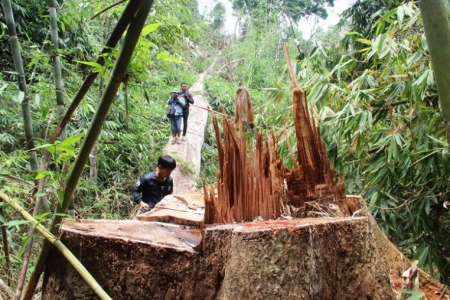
[328,258]
[310,258]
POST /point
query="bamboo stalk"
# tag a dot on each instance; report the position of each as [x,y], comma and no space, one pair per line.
[116,78]
[437,31]
[18,65]
[5,244]
[42,200]
[26,112]
[84,273]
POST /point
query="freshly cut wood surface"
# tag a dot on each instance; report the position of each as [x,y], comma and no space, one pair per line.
[194,199]
[187,209]
[134,231]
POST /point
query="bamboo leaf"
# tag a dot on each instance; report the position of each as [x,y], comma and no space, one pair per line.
[400,15]
[422,253]
[42,174]
[15,223]
[149,28]
[415,295]
[385,17]
[423,78]
[41,216]
[65,148]
[439,142]
[72,140]
[96,67]
[427,206]
[166,57]
[352,33]
[411,22]
[364,41]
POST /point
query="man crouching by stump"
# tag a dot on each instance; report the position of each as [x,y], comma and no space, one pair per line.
[153,186]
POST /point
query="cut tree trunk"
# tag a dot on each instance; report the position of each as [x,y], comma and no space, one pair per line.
[309,258]
[328,258]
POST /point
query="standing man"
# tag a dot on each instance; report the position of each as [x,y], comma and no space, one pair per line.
[189,100]
[153,186]
[176,102]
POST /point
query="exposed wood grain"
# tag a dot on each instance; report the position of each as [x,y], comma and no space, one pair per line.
[253,183]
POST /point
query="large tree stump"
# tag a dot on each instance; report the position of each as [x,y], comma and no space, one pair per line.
[328,258]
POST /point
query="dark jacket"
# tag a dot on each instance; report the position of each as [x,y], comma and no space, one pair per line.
[189,99]
[150,190]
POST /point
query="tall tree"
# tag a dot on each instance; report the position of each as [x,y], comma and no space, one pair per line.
[292,9]
[218,16]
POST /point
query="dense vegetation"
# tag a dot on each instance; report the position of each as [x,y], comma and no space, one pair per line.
[369,84]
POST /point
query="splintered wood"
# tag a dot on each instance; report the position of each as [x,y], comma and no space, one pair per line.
[314,179]
[248,185]
[253,183]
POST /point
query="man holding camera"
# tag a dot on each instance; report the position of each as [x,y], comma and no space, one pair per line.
[189,100]
[177,102]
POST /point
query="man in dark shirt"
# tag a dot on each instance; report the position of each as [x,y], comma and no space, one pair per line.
[189,100]
[152,187]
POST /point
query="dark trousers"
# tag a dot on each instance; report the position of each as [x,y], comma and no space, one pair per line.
[185,120]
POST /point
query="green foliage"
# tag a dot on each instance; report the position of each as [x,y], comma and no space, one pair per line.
[385,135]
[136,129]
[378,113]
[218,16]
[220,93]
[209,169]
[272,10]
[415,295]
[31,18]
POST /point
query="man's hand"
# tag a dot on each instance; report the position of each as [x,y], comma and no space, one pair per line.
[142,204]
[143,207]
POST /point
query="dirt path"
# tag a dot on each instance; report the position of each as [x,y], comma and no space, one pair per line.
[188,153]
